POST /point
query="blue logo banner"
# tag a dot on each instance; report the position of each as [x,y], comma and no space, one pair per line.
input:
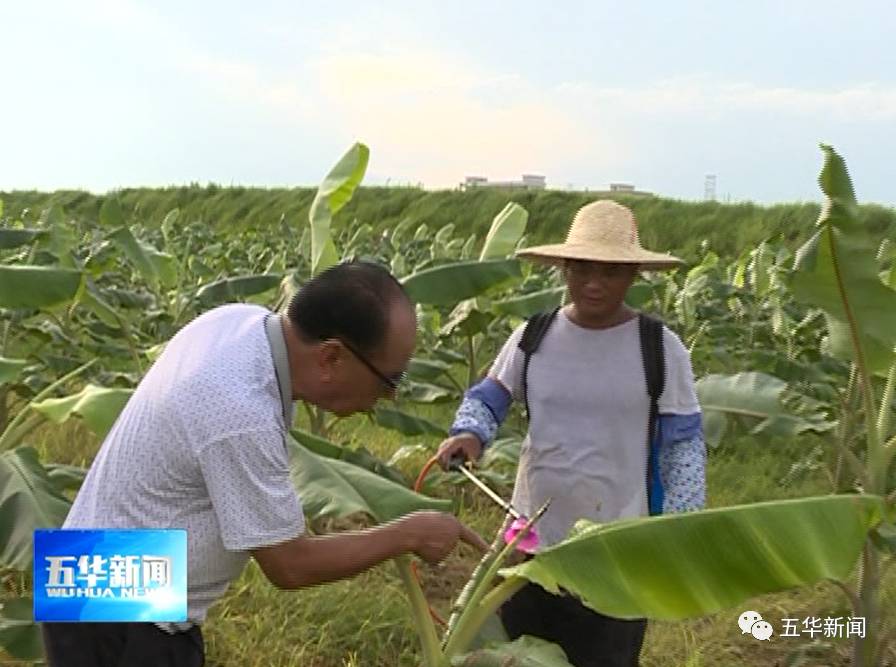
[110,575]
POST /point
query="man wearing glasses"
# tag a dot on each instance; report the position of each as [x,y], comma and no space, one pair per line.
[200,446]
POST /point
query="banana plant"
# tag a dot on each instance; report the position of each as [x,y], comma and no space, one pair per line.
[753,400]
[837,271]
[462,284]
[38,280]
[36,299]
[157,270]
[33,494]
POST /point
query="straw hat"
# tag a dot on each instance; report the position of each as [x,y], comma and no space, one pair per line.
[602,231]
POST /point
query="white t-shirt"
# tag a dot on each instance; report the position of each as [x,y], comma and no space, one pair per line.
[200,446]
[587,443]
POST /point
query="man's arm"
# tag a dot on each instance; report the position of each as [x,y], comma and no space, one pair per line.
[310,560]
[682,462]
[483,409]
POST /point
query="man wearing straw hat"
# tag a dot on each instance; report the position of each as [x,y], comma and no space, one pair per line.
[586,447]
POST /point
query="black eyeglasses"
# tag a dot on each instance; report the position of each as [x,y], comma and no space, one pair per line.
[391,381]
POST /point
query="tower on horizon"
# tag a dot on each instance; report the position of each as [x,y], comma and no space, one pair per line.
[709,188]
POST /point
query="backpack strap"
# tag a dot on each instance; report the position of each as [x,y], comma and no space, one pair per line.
[536,327]
[651,333]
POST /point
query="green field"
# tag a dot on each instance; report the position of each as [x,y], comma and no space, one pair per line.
[793,353]
[365,621]
[680,226]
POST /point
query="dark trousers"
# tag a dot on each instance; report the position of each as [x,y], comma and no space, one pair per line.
[589,639]
[121,645]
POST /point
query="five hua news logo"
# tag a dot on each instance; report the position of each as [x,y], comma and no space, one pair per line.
[119,575]
[752,623]
[125,576]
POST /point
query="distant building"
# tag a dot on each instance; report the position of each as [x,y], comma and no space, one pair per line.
[537,182]
[623,189]
[533,181]
[528,181]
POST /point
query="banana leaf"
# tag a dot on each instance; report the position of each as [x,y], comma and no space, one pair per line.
[332,194]
[450,283]
[506,229]
[157,268]
[13,238]
[529,304]
[682,565]
[19,634]
[236,289]
[752,398]
[23,286]
[837,270]
[407,424]
[334,488]
[467,319]
[98,406]
[359,457]
[66,477]
[10,369]
[524,652]
[29,499]
[421,392]
[426,369]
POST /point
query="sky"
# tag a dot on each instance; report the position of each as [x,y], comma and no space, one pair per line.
[100,95]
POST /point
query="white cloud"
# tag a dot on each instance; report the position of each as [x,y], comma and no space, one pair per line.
[137,19]
[439,119]
[251,85]
[867,101]
[697,97]
[436,118]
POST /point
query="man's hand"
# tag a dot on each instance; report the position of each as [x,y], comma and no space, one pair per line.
[463,445]
[308,560]
[432,535]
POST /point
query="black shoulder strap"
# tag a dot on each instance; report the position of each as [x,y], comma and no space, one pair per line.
[536,327]
[651,334]
[651,331]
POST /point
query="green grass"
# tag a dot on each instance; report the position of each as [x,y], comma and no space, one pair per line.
[664,223]
[365,621]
